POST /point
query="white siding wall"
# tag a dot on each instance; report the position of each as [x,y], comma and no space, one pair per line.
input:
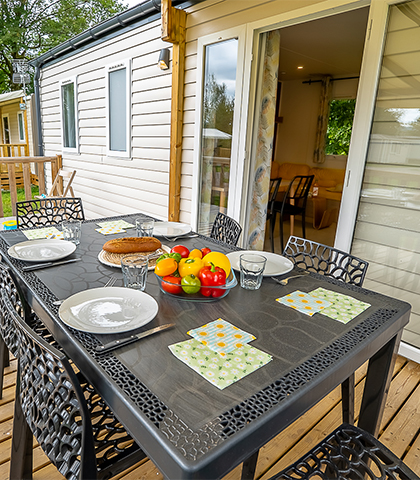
[108,185]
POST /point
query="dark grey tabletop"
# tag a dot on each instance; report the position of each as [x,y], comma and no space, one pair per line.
[187,426]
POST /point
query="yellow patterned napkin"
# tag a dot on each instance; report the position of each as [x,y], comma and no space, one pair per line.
[115,223]
[221,336]
[110,230]
[47,232]
[304,302]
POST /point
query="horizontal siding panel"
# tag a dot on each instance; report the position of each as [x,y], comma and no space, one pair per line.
[151,142]
[151,164]
[403,41]
[91,130]
[382,234]
[393,216]
[154,153]
[188,130]
[89,122]
[92,114]
[399,21]
[189,103]
[143,85]
[188,143]
[393,175]
[187,157]
[387,256]
[151,131]
[189,116]
[150,119]
[187,169]
[190,90]
[157,106]
[152,95]
[190,76]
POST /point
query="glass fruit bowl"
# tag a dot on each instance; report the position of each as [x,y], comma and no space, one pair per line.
[199,297]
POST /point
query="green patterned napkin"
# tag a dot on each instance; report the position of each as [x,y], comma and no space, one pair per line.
[115,223]
[41,233]
[343,308]
[220,371]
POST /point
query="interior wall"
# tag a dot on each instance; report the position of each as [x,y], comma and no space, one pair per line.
[299,110]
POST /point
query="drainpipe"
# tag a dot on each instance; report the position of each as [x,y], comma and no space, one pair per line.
[38,111]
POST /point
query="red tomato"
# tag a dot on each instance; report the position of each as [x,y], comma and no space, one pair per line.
[205,251]
[172,284]
[183,251]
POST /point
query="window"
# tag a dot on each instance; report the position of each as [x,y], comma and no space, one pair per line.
[69,131]
[340,124]
[118,109]
[21,126]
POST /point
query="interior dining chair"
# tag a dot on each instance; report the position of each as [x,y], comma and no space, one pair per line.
[226,229]
[48,211]
[348,453]
[294,203]
[62,184]
[331,262]
[57,405]
[274,189]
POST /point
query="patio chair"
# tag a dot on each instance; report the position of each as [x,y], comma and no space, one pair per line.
[75,428]
[48,211]
[337,264]
[348,453]
[57,187]
[8,337]
[293,203]
[226,229]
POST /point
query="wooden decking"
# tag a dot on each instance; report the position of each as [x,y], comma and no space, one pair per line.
[400,429]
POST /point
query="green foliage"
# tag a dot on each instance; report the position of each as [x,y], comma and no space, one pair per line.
[340,124]
[7,204]
[29,28]
[218,106]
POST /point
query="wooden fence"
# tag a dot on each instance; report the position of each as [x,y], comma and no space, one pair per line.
[13,164]
[14,150]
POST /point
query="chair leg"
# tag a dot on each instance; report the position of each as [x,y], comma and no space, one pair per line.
[272,225]
[281,233]
[22,440]
[347,400]
[249,466]
[4,353]
[303,225]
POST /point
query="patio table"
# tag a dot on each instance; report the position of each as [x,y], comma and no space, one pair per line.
[188,427]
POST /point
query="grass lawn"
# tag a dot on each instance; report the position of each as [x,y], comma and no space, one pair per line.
[7,205]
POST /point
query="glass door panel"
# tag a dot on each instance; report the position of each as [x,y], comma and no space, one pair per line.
[220,60]
[387,230]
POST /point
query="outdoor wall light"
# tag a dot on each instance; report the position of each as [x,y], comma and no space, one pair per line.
[164,59]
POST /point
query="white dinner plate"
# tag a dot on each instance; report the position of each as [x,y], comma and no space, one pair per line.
[170,229]
[108,310]
[102,259]
[276,264]
[41,250]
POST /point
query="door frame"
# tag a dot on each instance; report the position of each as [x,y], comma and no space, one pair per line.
[236,160]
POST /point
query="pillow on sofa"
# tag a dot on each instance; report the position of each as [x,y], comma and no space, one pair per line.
[328,177]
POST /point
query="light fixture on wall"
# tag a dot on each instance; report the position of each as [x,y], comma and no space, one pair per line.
[164,59]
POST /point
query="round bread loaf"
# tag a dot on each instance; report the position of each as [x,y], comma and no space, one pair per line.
[132,245]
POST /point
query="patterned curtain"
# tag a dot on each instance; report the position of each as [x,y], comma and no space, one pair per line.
[321,128]
[264,143]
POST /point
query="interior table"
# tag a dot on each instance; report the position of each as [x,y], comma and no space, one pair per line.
[187,426]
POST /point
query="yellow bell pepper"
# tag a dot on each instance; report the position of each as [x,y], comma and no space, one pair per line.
[190,266]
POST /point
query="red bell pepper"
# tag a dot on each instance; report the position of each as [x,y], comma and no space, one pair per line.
[211,276]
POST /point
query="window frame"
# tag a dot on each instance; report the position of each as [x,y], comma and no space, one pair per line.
[22,138]
[63,82]
[119,65]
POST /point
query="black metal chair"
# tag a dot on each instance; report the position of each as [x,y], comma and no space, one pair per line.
[293,203]
[326,260]
[274,189]
[48,211]
[75,428]
[348,453]
[226,229]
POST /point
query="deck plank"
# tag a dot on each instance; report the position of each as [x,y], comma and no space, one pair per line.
[400,429]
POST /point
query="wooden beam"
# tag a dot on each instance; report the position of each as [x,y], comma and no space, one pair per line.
[173,31]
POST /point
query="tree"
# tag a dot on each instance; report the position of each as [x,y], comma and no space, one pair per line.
[218,106]
[29,28]
[340,124]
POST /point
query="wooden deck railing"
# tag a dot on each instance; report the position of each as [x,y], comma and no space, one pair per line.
[54,163]
[14,150]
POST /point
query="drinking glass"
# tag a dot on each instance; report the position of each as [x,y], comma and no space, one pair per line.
[144,227]
[252,269]
[72,230]
[134,269]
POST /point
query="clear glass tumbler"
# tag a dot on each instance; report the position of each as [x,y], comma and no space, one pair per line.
[134,269]
[144,227]
[252,268]
[72,230]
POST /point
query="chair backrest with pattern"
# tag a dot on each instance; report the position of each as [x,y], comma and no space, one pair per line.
[274,189]
[326,260]
[299,188]
[48,211]
[52,400]
[226,229]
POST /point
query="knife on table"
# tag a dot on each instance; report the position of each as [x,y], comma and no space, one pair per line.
[38,266]
[107,347]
